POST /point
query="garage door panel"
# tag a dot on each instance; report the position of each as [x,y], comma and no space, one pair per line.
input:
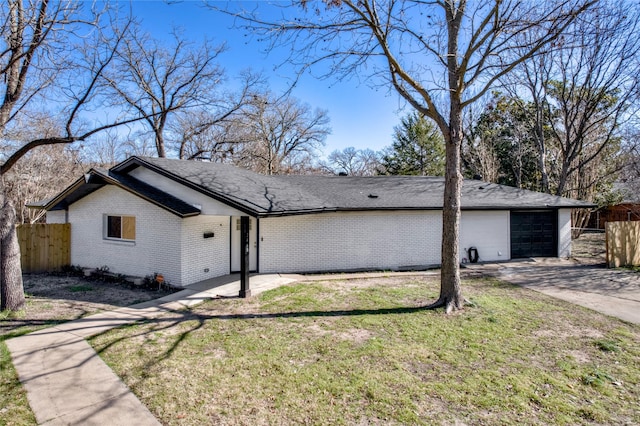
[533,234]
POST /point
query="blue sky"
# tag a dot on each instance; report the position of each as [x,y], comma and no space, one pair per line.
[361,116]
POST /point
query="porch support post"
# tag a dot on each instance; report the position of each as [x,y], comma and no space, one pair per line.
[245,291]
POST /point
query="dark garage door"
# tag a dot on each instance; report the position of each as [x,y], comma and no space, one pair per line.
[534,234]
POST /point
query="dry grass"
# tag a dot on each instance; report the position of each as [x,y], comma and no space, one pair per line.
[52,299]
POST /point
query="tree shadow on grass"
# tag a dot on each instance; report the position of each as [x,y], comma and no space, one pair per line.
[168,319]
[197,321]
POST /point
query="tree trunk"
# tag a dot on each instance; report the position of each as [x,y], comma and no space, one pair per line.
[11,289]
[579,220]
[162,153]
[450,286]
[563,178]
[542,150]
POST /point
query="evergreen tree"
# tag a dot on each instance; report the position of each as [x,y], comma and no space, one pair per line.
[418,149]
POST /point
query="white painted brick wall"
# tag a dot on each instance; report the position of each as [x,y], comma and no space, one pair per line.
[350,240]
[488,231]
[199,253]
[320,242]
[157,247]
[56,216]
[208,205]
[564,233]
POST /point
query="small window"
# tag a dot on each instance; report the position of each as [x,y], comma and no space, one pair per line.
[120,227]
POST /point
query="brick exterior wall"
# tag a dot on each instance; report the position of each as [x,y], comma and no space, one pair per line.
[199,253]
[307,243]
[564,232]
[157,247]
[350,240]
[488,232]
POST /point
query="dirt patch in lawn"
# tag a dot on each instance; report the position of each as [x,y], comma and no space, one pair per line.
[52,299]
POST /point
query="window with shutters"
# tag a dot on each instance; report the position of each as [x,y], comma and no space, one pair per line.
[120,227]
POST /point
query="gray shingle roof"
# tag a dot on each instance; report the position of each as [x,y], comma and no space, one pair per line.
[97,178]
[276,195]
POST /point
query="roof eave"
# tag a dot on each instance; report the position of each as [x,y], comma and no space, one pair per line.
[49,204]
[108,180]
[115,182]
[298,212]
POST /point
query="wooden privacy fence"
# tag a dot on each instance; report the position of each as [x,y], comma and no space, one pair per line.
[623,244]
[44,247]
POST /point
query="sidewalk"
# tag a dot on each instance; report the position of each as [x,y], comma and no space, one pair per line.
[66,381]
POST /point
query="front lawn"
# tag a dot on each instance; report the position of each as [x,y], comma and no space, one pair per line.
[51,300]
[364,352]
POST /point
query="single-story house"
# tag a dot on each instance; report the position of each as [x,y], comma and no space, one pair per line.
[182,219]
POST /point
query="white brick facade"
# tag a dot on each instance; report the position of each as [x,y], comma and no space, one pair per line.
[164,243]
[350,240]
[157,246]
[488,232]
[200,254]
[57,216]
[564,233]
[175,247]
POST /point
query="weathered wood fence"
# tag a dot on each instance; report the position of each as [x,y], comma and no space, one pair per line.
[623,244]
[44,247]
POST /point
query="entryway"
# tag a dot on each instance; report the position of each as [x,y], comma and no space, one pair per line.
[235,244]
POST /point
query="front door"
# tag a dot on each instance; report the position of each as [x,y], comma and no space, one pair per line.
[235,244]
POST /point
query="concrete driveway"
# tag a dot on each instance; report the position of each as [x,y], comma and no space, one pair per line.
[614,292]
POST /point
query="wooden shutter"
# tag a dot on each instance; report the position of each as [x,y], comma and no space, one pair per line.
[128,228]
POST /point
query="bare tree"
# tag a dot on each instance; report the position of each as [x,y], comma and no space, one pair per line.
[39,175]
[202,135]
[584,90]
[439,56]
[354,162]
[208,131]
[279,133]
[42,172]
[106,149]
[156,80]
[50,56]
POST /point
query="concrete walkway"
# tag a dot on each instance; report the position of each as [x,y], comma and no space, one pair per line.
[66,381]
[613,292]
